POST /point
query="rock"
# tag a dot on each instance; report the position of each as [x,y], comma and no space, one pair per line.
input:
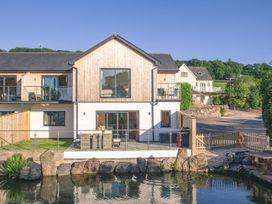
[198,163]
[48,163]
[35,171]
[134,168]
[229,158]
[182,157]
[141,164]
[24,173]
[2,169]
[107,167]
[78,167]
[92,166]
[123,167]
[64,170]
[31,173]
[235,168]
[166,164]
[153,165]
[247,161]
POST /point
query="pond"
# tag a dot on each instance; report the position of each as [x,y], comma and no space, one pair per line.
[152,188]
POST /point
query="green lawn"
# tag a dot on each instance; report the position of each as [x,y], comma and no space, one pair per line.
[220,83]
[39,145]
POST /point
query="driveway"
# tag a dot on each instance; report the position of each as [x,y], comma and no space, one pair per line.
[236,121]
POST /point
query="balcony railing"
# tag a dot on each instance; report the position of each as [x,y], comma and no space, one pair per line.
[168,91]
[35,94]
[8,93]
[41,93]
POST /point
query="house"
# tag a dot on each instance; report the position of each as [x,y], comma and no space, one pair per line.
[200,80]
[113,84]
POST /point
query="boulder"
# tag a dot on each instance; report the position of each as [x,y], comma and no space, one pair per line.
[134,168]
[24,173]
[182,160]
[123,167]
[48,163]
[64,170]
[32,172]
[92,166]
[141,162]
[78,167]
[107,167]
[198,163]
[153,165]
[35,171]
[247,160]
[167,163]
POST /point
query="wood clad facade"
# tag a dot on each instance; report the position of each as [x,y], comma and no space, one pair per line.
[114,54]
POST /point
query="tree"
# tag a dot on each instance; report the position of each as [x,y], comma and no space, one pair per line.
[186,95]
[24,49]
[2,50]
[267,103]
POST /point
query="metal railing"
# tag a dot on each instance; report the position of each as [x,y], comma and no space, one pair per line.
[132,139]
[168,91]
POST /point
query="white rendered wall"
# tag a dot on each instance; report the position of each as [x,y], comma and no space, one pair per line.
[38,130]
[87,115]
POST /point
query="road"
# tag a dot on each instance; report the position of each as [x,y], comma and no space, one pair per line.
[236,121]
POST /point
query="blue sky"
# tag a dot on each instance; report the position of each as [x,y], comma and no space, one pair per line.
[204,29]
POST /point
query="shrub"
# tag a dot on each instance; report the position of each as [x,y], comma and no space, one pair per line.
[14,165]
[186,96]
[161,167]
[174,166]
[222,111]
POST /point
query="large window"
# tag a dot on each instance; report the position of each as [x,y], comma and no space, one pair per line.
[8,88]
[54,118]
[165,118]
[115,83]
[5,112]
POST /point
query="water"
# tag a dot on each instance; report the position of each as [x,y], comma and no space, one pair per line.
[158,188]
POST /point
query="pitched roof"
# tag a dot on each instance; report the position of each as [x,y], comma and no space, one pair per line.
[167,62]
[36,61]
[201,73]
[125,42]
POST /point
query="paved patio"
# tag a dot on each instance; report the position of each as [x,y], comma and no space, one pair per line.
[133,146]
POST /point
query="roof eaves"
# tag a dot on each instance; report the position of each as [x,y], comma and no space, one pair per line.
[124,41]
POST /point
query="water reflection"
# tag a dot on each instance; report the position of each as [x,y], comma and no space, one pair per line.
[153,188]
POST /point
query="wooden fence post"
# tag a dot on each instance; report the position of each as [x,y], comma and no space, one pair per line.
[193,136]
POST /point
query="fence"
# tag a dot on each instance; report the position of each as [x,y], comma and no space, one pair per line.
[129,139]
[12,124]
[241,139]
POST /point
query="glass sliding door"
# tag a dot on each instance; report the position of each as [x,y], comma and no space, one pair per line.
[8,90]
[54,88]
[123,124]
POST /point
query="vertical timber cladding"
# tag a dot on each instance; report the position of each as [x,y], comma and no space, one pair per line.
[14,128]
[114,54]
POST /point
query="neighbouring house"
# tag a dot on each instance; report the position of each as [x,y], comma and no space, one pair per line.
[113,84]
[200,80]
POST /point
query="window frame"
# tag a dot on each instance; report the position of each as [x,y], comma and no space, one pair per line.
[101,81]
[186,74]
[167,126]
[49,122]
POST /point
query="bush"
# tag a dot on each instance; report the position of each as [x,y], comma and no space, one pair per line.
[186,95]
[14,165]
[222,111]
[174,166]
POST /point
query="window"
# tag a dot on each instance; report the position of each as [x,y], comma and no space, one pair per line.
[209,85]
[115,83]
[8,88]
[5,112]
[54,118]
[184,74]
[165,119]
[196,84]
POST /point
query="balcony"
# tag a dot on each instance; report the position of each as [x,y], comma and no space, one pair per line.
[35,94]
[168,91]
[41,93]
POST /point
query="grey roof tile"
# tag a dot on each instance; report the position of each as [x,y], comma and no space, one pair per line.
[201,73]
